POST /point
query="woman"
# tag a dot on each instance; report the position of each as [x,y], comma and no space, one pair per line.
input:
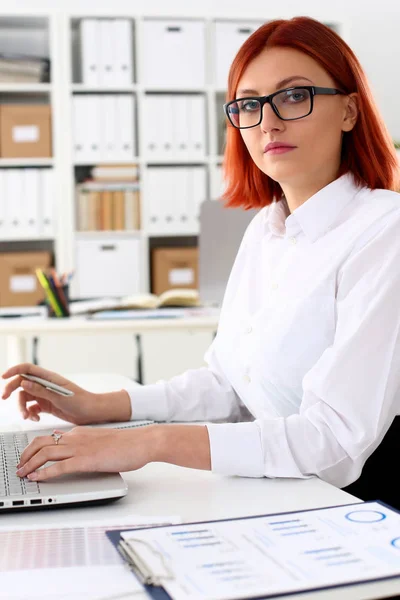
[303,376]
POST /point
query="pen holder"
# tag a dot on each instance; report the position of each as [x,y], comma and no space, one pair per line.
[61,296]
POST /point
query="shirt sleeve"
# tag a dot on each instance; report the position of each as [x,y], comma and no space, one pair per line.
[197,395]
[350,396]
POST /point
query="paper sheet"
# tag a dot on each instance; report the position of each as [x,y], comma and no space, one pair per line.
[73,561]
[274,554]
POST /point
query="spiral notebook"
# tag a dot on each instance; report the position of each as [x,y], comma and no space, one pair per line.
[267,555]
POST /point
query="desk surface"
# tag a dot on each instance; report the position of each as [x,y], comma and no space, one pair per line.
[33,325]
[161,489]
[197,495]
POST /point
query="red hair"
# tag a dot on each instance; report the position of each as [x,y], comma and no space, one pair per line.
[367,151]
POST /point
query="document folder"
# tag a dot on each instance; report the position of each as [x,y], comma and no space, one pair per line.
[265,556]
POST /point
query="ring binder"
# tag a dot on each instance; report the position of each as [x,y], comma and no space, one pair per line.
[140,566]
[266,555]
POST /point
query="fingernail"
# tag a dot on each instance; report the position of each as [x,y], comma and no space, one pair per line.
[26,384]
[32,476]
[35,418]
[19,471]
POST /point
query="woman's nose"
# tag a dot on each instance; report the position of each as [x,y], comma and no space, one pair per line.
[270,120]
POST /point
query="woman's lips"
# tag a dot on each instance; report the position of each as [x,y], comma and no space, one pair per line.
[280,150]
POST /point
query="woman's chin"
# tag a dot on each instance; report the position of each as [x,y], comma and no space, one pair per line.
[279,172]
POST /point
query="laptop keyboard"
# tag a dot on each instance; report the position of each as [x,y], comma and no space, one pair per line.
[11,448]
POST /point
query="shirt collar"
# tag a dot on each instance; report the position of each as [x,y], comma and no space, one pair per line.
[315,216]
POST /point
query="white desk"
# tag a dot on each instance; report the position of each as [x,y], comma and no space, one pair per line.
[19,330]
[160,489]
[196,495]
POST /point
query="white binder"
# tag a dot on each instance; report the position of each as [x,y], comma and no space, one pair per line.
[123,51]
[108,120]
[125,127]
[14,208]
[197,126]
[30,202]
[90,38]
[47,203]
[3,216]
[180,122]
[151,143]
[183,179]
[199,194]
[157,197]
[79,124]
[106,51]
[164,122]
[93,127]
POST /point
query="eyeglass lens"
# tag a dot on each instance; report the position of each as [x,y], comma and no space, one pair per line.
[290,104]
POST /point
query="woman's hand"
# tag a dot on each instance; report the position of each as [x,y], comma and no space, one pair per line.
[86,449]
[82,408]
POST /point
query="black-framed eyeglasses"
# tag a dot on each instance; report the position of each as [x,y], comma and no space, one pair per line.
[288,104]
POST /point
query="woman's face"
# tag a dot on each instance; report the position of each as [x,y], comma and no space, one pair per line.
[316,139]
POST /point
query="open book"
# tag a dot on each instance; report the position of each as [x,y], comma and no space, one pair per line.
[175,297]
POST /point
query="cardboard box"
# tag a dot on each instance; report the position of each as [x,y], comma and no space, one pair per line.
[18,282]
[174,268]
[25,130]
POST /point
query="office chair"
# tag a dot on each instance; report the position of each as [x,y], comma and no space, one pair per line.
[379,477]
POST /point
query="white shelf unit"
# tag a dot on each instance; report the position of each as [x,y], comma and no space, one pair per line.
[26,162]
[67,82]
[210,160]
[35,35]
[25,88]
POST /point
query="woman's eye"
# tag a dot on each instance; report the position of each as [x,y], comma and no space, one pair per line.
[249,106]
[295,97]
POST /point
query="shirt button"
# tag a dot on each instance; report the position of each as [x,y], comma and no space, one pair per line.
[249,329]
[246,378]
[274,286]
[293,240]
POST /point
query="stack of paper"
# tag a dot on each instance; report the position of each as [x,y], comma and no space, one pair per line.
[67,561]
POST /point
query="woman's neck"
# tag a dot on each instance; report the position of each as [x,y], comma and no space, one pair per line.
[297,194]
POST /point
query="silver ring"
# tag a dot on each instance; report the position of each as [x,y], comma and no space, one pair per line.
[56,437]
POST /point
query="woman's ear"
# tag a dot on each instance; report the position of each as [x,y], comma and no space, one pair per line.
[351,112]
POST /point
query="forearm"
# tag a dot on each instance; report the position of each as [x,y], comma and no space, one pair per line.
[183,445]
[112,407]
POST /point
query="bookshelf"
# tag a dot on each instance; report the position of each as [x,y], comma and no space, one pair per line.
[59,34]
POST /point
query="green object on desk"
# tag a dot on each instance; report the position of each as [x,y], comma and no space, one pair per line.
[49,293]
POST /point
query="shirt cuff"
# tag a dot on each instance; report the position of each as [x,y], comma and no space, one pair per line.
[236,449]
[148,402]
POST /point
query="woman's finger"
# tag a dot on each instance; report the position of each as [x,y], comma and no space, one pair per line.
[63,467]
[30,369]
[34,411]
[11,386]
[28,412]
[44,455]
[38,390]
[39,442]
[23,398]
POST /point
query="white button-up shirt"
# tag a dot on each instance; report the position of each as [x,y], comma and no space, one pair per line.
[303,377]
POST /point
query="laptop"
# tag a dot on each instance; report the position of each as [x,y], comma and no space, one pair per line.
[221,232]
[66,490]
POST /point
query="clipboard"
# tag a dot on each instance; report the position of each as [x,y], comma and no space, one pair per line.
[154,582]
